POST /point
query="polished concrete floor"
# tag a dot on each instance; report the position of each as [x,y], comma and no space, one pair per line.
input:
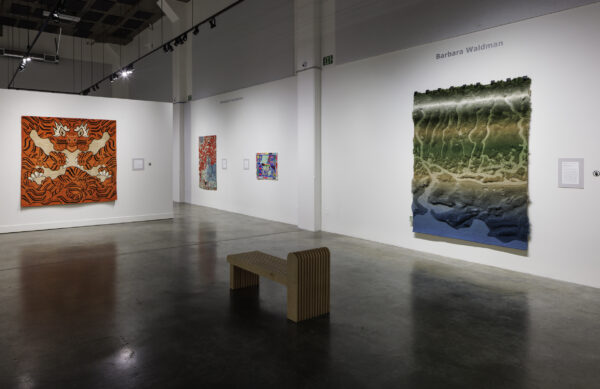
[148,305]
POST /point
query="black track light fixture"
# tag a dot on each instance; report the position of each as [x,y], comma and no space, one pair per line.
[184,37]
[24,63]
[196,30]
[113,77]
[166,48]
[212,22]
[126,71]
[86,92]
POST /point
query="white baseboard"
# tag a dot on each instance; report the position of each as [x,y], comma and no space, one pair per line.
[83,223]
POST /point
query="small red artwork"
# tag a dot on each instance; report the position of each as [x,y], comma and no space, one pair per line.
[208,162]
[67,161]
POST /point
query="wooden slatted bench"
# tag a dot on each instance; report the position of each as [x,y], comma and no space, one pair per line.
[305,274]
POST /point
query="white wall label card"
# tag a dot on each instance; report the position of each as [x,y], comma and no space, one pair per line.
[570,173]
[224,163]
[138,164]
[246,164]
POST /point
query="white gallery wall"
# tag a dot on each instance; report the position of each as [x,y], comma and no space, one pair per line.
[257,119]
[144,130]
[177,147]
[368,28]
[253,43]
[367,140]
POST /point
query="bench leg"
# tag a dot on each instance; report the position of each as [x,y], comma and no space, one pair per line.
[308,284]
[240,278]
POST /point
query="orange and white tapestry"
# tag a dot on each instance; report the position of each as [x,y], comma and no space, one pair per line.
[68,161]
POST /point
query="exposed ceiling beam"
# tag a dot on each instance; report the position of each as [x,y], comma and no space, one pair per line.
[168,10]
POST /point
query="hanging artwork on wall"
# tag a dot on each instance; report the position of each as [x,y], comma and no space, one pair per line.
[67,161]
[208,162]
[266,166]
[471,162]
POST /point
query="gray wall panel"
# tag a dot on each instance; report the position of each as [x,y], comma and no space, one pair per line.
[152,79]
[366,28]
[67,76]
[253,43]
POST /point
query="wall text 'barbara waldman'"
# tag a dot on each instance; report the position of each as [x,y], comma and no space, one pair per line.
[469,50]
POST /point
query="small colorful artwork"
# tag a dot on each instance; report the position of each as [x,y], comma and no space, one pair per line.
[67,161]
[208,162]
[266,166]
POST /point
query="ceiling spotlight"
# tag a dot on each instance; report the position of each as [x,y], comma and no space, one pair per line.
[86,92]
[213,22]
[184,37]
[126,71]
[53,17]
[171,48]
[57,16]
[196,30]
[166,48]
[113,77]
[24,62]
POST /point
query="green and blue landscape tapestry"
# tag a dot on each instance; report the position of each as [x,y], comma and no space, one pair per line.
[471,162]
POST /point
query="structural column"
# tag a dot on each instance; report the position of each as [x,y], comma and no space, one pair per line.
[308,75]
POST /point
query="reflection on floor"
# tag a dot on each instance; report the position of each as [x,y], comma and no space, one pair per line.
[148,305]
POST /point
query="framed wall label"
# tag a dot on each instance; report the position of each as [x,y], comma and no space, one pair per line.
[570,173]
[137,164]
